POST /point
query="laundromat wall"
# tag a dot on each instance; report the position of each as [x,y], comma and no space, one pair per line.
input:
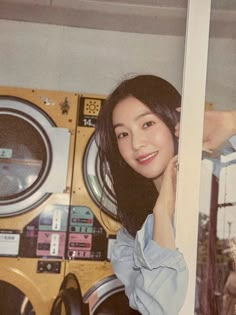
[55,57]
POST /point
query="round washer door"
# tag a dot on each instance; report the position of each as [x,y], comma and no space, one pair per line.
[103,196]
[108,297]
[32,152]
[10,293]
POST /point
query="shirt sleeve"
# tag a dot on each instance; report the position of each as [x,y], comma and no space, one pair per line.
[233,141]
[224,158]
[155,278]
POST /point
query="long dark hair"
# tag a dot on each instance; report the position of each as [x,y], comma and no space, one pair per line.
[135,194]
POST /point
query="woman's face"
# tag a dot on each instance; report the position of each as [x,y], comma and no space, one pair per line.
[144,141]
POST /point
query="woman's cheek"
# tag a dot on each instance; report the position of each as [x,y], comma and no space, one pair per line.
[124,152]
[121,148]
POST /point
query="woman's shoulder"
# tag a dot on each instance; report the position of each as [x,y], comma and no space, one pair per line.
[233,141]
[123,246]
[124,236]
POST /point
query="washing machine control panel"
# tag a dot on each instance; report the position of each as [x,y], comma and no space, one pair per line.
[87,238]
[62,232]
[45,235]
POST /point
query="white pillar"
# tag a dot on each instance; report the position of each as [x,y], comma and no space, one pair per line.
[193,100]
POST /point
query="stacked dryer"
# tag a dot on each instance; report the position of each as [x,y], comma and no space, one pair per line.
[93,221]
[37,137]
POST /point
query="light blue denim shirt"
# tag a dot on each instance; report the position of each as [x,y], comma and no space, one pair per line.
[155,278]
[230,148]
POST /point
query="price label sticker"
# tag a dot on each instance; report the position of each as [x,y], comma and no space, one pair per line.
[9,243]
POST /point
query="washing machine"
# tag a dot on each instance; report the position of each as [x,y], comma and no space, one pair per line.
[37,139]
[93,221]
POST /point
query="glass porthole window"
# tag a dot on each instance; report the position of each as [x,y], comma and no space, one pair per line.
[24,151]
[103,196]
[25,155]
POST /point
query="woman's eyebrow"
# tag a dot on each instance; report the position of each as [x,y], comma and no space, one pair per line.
[136,118]
[118,125]
[143,115]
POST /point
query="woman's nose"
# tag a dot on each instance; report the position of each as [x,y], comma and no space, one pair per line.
[138,141]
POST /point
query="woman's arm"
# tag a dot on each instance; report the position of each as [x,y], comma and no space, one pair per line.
[163,231]
[219,126]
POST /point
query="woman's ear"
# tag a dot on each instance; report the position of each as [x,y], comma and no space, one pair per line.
[177,128]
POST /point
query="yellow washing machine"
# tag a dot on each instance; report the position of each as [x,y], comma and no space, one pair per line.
[93,221]
[37,138]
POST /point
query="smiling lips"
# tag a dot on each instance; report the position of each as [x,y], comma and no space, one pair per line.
[144,159]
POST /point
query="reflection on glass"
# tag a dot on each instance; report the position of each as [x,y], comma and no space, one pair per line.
[22,154]
[104,197]
[217,246]
[216,272]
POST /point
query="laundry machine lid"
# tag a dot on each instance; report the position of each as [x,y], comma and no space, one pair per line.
[32,152]
[102,195]
[69,300]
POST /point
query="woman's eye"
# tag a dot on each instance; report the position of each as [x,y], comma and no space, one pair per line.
[122,135]
[148,124]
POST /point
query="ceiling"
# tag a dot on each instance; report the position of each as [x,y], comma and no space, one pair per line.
[167,17]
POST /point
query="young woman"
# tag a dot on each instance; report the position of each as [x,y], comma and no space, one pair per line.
[136,134]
